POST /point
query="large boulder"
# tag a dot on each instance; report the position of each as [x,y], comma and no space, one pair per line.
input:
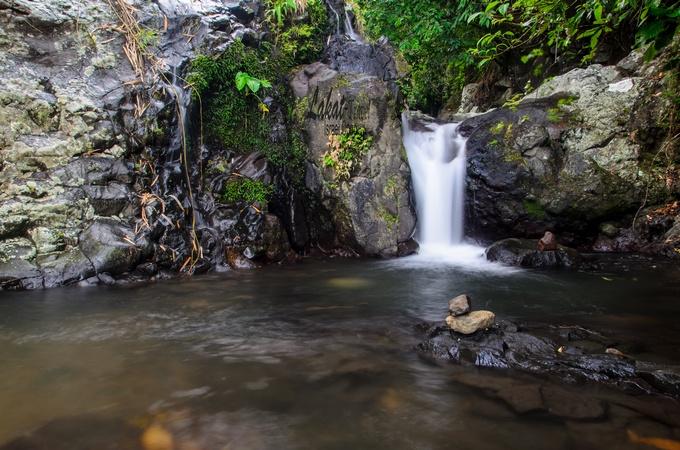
[370,205]
[566,157]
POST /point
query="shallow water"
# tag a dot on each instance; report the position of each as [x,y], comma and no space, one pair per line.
[314,356]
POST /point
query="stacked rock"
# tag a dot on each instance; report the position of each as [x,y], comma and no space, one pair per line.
[462,320]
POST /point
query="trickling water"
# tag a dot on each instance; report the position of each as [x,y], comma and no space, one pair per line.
[436,154]
[337,17]
[349,28]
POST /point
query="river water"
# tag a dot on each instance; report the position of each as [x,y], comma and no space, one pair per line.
[318,355]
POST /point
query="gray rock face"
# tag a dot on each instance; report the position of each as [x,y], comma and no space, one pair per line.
[371,210]
[86,176]
[568,157]
[525,253]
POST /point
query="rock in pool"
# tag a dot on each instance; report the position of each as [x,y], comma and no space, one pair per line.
[459,305]
[472,322]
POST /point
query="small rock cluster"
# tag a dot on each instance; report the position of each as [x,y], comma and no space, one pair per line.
[462,320]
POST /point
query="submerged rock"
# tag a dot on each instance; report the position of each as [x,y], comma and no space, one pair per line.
[472,322]
[569,353]
[525,253]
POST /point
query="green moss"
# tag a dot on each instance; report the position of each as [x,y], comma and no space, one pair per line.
[299,113]
[566,101]
[248,191]
[534,209]
[554,115]
[301,39]
[146,38]
[342,82]
[497,128]
[392,220]
[392,186]
[513,156]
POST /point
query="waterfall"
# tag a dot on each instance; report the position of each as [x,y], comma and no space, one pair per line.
[436,155]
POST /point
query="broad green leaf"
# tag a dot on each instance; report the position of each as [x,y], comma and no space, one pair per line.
[241,80]
[254,84]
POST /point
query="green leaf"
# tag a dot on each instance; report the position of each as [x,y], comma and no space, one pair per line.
[491,6]
[254,84]
[241,80]
[598,12]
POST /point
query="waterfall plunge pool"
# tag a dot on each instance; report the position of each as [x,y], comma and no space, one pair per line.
[318,355]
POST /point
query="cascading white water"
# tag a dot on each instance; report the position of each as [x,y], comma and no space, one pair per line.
[436,154]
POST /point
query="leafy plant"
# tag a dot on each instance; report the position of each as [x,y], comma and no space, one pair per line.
[539,28]
[278,10]
[345,150]
[233,120]
[244,80]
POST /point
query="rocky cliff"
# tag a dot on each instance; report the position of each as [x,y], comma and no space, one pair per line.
[584,155]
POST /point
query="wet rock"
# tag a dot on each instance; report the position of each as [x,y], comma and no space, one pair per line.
[64,268]
[274,239]
[472,322]
[407,248]
[543,350]
[148,269]
[665,379]
[90,431]
[111,246]
[525,253]
[548,242]
[238,261]
[459,305]
[20,274]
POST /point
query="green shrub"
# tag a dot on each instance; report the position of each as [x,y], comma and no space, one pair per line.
[573,30]
[433,37]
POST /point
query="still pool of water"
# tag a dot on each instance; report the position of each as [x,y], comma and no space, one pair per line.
[317,355]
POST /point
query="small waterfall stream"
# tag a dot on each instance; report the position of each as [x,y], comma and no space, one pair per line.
[349,28]
[436,155]
[437,158]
